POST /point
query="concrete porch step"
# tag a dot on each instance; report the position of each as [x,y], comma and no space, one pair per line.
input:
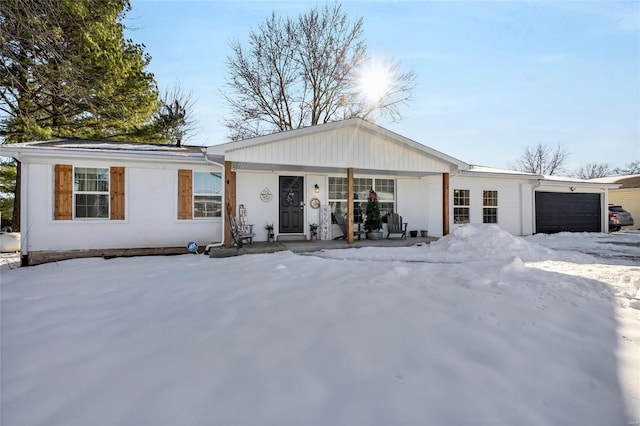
[291,237]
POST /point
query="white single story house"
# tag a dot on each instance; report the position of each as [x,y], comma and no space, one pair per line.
[105,198]
[626,195]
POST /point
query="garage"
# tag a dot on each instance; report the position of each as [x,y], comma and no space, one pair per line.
[571,212]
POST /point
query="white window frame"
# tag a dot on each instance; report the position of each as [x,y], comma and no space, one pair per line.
[106,193]
[213,195]
[362,199]
[490,206]
[460,207]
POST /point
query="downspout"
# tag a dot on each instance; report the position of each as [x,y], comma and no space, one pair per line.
[24,212]
[221,243]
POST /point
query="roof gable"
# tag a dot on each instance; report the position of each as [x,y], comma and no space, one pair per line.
[350,143]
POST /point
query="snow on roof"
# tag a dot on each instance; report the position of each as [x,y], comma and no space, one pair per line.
[628,181]
[550,179]
[495,170]
[115,147]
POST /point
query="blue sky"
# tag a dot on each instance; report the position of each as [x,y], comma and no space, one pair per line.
[492,77]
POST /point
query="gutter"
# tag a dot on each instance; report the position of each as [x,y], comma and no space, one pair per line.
[221,243]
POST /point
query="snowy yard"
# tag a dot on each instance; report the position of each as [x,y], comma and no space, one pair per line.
[479,328]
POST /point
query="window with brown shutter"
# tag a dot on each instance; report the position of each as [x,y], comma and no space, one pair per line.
[117,193]
[98,192]
[185,194]
[63,192]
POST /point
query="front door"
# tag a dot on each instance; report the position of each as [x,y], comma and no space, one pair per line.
[291,204]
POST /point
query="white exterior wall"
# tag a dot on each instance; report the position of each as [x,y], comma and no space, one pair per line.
[629,199]
[515,214]
[151,198]
[249,185]
[418,200]
[340,149]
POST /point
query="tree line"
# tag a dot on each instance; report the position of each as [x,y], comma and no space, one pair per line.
[544,159]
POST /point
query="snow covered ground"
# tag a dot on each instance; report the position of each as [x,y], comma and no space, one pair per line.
[478,328]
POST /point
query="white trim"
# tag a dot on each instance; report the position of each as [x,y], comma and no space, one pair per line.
[194,194]
[103,193]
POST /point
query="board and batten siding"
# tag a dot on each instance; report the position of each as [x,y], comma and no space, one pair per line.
[341,149]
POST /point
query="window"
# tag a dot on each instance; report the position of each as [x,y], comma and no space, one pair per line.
[385,188]
[207,194]
[91,192]
[199,194]
[489,206]
[88,193]
[460,206]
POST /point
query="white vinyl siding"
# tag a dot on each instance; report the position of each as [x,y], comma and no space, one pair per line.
[513,197]
[342,148]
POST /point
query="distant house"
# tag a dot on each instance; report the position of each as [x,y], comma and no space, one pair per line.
[627,195]
[83,198]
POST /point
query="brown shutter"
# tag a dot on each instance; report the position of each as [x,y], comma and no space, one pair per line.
[63,192]
[117,193]
[185,194]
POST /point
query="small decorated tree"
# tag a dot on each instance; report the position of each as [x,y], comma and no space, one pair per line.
[373,222]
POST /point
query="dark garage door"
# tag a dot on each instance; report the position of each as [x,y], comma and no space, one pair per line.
[557,212]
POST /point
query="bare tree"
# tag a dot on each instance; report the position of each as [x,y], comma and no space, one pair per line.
[174,120]
[632,168]
[542,160]
[593,170]
[299,72]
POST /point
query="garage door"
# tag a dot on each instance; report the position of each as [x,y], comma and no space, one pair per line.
[557,212]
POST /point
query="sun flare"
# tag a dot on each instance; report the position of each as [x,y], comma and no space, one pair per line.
[374,80]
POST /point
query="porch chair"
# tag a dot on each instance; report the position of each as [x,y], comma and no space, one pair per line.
[342,223]
[396,226]
[242,231]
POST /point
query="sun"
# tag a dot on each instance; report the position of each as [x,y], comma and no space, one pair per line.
[374,80]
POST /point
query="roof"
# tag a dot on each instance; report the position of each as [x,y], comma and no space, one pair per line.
[103,149]
[626,182]
[476,170]
[107,145]
[552,180]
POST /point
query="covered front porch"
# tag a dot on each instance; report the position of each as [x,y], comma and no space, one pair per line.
[293,179]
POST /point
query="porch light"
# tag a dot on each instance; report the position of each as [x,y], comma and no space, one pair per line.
[317,189]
